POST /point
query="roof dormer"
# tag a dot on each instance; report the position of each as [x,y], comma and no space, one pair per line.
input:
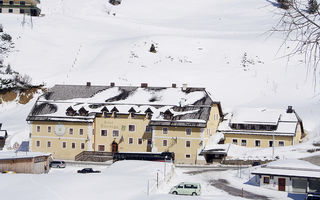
[148,113]
[70,111]
[83,112]
[168,115]
[132,111]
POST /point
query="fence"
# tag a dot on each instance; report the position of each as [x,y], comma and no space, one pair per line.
[161,177]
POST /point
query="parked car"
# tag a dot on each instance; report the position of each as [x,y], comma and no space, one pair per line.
[256,163]
[185,188]
[87,170]
[57,164]
[313,196]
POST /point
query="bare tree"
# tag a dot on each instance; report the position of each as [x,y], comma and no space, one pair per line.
[303,28]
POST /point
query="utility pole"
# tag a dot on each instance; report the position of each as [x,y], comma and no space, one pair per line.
[31,21]
[24,19]
[273,146]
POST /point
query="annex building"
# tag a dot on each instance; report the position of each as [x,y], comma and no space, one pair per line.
[20,7]
[297,176]
[260,127]
[70,119]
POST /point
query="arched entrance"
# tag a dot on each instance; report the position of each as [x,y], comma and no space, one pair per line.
[114,147]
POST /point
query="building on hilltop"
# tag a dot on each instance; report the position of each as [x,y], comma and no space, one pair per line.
[20,7]
[70,119]
[253,127]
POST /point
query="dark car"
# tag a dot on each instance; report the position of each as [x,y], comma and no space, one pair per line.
[313,196]
[256,163]
[57,164]
[87,170]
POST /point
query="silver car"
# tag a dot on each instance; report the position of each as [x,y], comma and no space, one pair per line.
[57,164]
[186,188]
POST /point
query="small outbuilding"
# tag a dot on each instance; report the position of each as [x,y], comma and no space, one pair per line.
[296,176]
[24,162]
[3,137]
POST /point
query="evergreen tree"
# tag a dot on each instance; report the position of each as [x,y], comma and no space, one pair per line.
[313,6]
[284,4]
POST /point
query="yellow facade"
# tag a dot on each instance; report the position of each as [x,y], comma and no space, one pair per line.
[264,139]
[121,124]
[66,146]
[185,142]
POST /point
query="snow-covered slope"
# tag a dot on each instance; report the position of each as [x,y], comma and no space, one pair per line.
[221,45]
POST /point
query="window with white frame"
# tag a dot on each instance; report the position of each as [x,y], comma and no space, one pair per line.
[132,128]
[38,143]
[73,145]
[71,131]
[82,146]
[164,143]
[81,131]
[148,129]
[104,133]
[281,143]
[235,141]
[165,130]
[64,145]
[140,141]
[38,129]
[188,144]
[188,156]
[243,142]
[188,131]
[257,143]
[49,129]
[130,140]
[49,144]
[115,133]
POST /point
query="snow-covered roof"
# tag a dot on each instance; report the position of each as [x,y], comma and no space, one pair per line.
[190,107]
[285,123]
[291,168]
[11,155]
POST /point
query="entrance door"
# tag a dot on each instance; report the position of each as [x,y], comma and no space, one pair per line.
[282,184]
[114,147]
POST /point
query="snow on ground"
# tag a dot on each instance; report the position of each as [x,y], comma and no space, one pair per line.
[124,180]
[221,45]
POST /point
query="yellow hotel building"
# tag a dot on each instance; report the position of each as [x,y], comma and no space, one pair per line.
[71,119]
[261,128]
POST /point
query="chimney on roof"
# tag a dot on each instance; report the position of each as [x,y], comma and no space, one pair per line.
[289,110]
[174,85]
[88,84]
[184,87]
[112,84]
[144,85]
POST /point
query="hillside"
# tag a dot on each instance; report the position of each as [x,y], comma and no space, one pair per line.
[221,45]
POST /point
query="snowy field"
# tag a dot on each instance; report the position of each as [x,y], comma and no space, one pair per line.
[129,180]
